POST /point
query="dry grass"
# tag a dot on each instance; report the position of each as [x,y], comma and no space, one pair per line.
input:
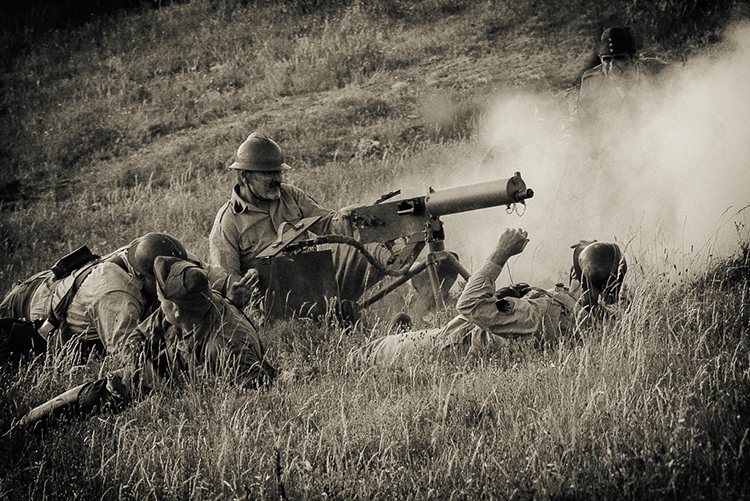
[125,125]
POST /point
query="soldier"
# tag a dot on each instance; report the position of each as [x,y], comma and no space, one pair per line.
[194,331]
[261,203]
[512,312]
[618,78]
[99,303]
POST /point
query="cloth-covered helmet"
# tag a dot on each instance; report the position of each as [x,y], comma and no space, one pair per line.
[181,281]
[259,153]
[144,250]
[616,40]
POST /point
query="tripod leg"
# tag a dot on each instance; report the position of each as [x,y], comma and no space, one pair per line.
[457,266]
[435,281]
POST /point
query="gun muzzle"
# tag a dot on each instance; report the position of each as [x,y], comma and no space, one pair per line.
[478,196]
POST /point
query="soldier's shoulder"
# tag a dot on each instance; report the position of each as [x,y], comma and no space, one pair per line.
[227,211]
[112,271]
[290,189]
[595,72]
[108,277]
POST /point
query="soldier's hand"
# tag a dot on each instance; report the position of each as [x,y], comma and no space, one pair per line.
[511,242]
[346,216]
[242,291]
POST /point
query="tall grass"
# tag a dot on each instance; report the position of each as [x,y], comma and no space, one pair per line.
[125,125]
[653,406]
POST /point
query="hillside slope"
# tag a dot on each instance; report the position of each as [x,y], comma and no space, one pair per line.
[116,125]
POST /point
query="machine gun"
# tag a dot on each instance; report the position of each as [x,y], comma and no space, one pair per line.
[417,220]
[299,279]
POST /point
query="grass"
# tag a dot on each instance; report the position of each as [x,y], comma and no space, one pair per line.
[125,123]
[654,406]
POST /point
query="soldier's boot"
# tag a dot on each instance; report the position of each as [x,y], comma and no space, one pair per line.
[106,393]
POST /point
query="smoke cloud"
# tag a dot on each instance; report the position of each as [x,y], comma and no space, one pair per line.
[668,177]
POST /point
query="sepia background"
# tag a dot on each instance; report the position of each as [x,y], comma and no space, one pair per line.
[120,118]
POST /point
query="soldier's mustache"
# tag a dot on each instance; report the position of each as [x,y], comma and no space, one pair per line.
[275,184]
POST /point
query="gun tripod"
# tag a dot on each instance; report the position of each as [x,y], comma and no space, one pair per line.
[436,255]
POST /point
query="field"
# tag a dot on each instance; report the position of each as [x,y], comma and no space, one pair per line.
[124,122]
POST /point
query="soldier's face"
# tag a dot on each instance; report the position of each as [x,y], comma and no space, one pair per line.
[185,319]
[265,185]
[618,66]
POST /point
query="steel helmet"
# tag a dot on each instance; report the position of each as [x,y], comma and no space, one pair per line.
[259,153]
[144,250]
[602,269]
[616,40]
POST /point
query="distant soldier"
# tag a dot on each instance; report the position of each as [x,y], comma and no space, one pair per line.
[261,203]
[618,78]
[520,311]
[195,331]
[98,303]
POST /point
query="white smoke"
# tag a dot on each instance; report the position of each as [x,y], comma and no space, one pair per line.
[668,182]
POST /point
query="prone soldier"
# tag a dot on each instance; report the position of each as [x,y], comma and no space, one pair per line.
[194,329]
[98,302]
[511,312]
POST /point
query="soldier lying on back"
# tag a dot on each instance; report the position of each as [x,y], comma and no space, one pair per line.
[518,312]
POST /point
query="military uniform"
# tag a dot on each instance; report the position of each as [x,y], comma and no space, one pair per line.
[243,228]
[482,319]
[220,340]
[225,340]
[598,94]
[108,305]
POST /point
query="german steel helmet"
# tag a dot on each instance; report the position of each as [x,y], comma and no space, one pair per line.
[259,153]
[616,40]
[602,268]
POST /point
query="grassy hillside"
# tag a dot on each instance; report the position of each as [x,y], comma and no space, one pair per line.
[93,115]
[123,123]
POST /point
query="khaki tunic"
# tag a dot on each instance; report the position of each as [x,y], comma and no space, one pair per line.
[242,229]
[109,303]
[481,320]
[225,342]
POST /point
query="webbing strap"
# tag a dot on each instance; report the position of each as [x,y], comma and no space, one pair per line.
[60,312]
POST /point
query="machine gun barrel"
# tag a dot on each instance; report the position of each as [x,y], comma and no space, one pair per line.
[400,217]
[477,196]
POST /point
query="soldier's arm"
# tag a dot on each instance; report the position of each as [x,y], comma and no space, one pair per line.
[238,290]
[224,244]
[505,317]
[237,346]
[331,221]
[115,315]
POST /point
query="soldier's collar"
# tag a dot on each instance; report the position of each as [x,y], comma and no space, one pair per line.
[240,204]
